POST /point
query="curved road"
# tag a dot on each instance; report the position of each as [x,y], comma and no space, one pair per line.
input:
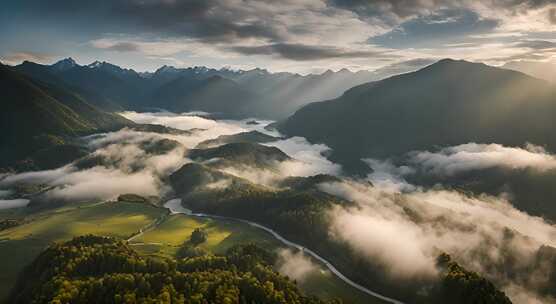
[147,227]
[175,207]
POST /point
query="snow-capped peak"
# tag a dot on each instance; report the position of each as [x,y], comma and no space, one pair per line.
[96,64]
[64,64]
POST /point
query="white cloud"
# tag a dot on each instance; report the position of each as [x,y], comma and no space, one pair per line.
[206,128]
[101,184]
[309,158]
[472,156]
[125,168]
[405,232]
[296,265]
[15,203]
[388,176]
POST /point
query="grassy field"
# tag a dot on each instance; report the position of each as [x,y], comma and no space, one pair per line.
[166,238]
[21,244]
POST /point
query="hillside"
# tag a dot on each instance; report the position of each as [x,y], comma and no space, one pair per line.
[240,154]
[447,103]
[52,75]
[244,137]
[40,116]
[119,86]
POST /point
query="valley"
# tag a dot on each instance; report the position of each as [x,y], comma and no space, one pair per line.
[413,218]
[233,177]
[164,232]
[278,152]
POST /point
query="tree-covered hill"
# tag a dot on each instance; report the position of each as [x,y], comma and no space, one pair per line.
[91,269]
[244,137]
[240,154]
[53,75]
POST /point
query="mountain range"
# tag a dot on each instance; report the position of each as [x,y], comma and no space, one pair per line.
[449,102]
[242,93]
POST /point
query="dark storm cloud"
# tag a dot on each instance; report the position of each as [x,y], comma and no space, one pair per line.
[203,19]
[208,19]
[284,30]
[224,20]
[301,52]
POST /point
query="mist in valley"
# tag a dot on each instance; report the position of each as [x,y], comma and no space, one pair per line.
[399,226]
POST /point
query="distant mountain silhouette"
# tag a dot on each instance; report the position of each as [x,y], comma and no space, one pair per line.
[214,94]
[255,92]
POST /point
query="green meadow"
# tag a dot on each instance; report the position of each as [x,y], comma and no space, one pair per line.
[21,244]
[166,238]
[163,234]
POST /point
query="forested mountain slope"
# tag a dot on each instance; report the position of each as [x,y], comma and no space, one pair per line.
[36,115]
[447,103]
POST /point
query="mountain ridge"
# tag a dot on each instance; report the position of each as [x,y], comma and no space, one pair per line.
[278,94]
[40,116]
[450,102]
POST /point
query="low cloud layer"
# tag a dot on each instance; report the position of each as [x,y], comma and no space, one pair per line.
[15,203]
[309,159]
[453,160]
[485,233]
[121,163]
[296,265]
[404,232]
[203,128]
[394,224]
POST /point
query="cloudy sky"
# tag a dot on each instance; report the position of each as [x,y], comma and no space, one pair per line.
[280,35]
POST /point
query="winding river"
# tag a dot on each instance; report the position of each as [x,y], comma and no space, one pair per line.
[175,207]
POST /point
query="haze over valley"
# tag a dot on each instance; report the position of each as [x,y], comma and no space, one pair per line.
[262,152]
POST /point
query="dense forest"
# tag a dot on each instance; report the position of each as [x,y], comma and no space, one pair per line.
[94,269]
